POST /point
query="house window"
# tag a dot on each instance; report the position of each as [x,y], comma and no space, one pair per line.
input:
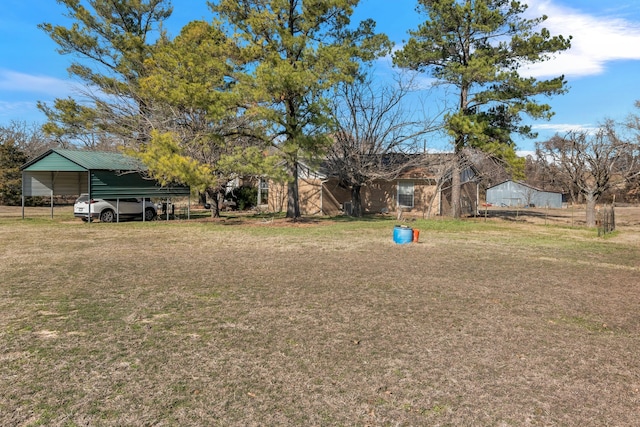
[405,194]
[263,193]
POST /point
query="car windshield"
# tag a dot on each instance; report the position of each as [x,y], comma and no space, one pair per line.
[83,198]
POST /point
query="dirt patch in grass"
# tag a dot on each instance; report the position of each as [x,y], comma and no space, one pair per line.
[329,323]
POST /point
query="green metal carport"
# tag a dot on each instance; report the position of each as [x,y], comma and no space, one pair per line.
[61,172]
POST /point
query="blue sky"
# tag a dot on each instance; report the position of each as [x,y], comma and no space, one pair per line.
[602,68]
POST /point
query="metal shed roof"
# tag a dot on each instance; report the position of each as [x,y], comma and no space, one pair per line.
[514,193]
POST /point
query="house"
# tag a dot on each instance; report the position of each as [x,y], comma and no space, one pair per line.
[511,193]
[416,191]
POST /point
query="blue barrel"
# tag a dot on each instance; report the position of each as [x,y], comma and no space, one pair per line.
[402,235]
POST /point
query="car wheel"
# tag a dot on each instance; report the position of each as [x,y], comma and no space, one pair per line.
[107,216]
[149,214]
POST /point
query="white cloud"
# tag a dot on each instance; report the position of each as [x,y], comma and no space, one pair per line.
[13,81]
[525,153]
[9,107]
[564,127]
[596,41]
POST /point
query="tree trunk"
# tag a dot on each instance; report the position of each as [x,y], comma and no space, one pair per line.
[455,187]
[591,210]
[293,203]
[356,201]
[428,204]
[215,206]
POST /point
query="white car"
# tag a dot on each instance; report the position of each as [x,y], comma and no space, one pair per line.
[106,209]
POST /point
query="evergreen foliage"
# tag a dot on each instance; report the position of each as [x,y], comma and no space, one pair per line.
[295,51]
[110,40]
[206,137]
[11,158]
[479,48]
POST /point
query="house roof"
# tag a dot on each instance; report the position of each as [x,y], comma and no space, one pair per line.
[58,159]
[425,166]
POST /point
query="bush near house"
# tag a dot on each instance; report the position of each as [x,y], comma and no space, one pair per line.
[244,197]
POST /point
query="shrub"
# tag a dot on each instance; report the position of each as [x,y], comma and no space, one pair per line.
[245,197]
[11,158]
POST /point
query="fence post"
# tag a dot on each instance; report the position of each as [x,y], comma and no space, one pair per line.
[613,217]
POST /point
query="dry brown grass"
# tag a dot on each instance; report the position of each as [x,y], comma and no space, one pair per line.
[248,323]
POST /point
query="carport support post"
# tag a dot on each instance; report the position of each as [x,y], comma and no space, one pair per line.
[89,196]
[51,204]
[118,209]
[22,193]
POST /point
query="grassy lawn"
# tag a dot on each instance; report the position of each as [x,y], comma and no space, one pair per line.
[258,322]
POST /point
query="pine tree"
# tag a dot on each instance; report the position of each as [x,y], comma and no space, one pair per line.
[295,51]
[11,158]
[110,42]
[478,47]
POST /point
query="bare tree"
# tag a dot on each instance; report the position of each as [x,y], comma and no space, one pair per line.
[28,138]
[542,174]
[591,162]
[632,158]
[376,138]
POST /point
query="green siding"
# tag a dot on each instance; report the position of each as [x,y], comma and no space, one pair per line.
[55,162]
[105,184]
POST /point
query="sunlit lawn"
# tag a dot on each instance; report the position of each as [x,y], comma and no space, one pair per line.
[259,321]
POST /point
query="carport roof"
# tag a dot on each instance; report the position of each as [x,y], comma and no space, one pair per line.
[101,174]
[58,159]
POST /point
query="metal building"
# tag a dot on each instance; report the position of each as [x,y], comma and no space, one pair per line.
[59,172]
[511,193]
